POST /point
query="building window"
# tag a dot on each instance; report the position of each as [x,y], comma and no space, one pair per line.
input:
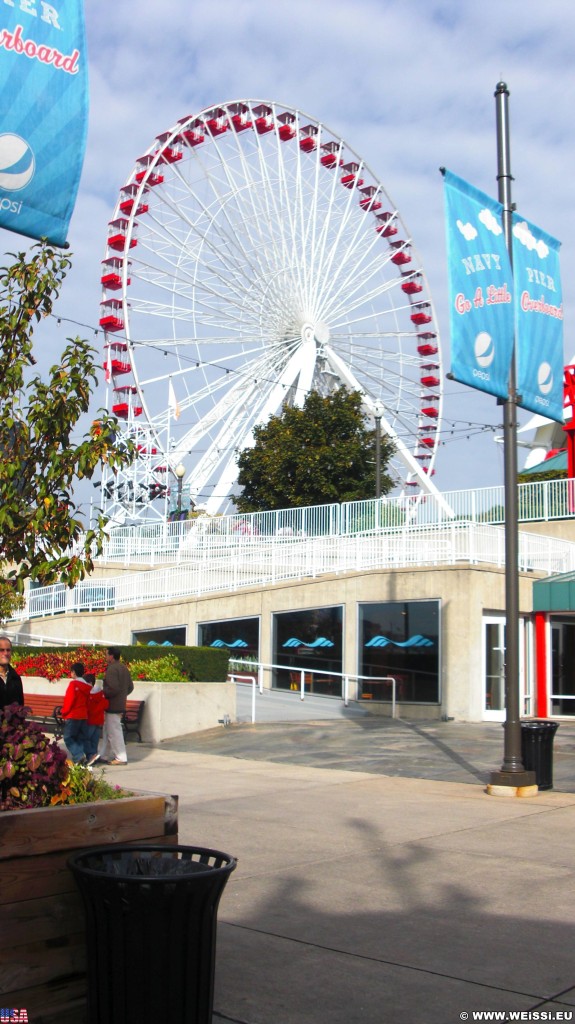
[241,637]
[307,645]
[167,636]
[400,640]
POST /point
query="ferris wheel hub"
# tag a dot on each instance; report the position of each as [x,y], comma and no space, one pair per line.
[315,332]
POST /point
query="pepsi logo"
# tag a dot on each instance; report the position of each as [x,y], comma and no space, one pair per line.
[17,164]
[545,378]
[484,349]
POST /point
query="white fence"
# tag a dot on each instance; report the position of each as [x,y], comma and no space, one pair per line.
[228,562]
[168,543]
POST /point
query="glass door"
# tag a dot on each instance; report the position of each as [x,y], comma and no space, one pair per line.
[494,673]
[562,655]
[494,668]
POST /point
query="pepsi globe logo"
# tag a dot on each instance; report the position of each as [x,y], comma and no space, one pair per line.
[545,378]
[17,164]
[484,349]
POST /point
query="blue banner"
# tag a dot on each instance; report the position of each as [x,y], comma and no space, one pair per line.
[43,115]
[538,320]
[480,289]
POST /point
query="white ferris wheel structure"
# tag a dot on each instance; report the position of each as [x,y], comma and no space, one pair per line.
[253,256]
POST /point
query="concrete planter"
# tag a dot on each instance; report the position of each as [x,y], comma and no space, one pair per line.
[41,917]
[172,709]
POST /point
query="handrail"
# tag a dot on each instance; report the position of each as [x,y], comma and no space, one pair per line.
[235,563]
[152,543]
[256,678]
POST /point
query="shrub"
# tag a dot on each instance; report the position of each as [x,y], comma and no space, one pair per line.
[34,770]
[57,664]
[206,664]
[32,767]
[162,670]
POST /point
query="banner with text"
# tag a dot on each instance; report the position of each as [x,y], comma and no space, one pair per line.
[538,302]
[43,116]
[480,288]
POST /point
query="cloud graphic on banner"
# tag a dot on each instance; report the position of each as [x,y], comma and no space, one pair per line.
[16,162]
[524,235]
[490,222]
[467,230]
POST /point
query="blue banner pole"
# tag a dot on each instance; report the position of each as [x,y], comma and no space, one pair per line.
[512,772]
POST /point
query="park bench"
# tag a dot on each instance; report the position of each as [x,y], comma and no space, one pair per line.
[45,709]
[132,717]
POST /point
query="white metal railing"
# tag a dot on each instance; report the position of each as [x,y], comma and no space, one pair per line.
[256,679]
[246,561]
[159,543]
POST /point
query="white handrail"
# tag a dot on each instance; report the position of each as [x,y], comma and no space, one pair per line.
[256,679]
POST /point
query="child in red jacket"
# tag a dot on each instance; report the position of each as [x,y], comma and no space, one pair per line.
[75,713]
[97,704]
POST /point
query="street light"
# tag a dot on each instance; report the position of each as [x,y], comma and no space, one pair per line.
[378,411]
[180,472]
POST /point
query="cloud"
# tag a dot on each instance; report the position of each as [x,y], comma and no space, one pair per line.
[490,222]
[525,236]
[467,230]
[408,93]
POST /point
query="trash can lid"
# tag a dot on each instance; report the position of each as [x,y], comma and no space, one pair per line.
[154,861]
[539,724]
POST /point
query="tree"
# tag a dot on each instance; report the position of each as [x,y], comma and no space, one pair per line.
[41,537]
[316,455]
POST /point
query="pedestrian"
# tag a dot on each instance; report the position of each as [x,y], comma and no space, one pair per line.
[117,685]
[11,690]
[75,713]
[97,704]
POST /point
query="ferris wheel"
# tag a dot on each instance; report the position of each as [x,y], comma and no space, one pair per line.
[253,256]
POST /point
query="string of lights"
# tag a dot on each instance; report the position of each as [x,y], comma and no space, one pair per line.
[452,431]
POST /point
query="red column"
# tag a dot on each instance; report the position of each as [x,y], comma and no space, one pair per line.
[541,661]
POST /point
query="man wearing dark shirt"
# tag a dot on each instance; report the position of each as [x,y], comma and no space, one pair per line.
[11,691]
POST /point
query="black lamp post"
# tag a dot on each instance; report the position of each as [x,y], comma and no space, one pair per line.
[180,472]
[378,411]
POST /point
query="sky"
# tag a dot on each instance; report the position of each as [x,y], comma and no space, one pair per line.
[409,84]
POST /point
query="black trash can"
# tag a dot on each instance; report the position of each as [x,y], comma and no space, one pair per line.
[537,750]
[151,916]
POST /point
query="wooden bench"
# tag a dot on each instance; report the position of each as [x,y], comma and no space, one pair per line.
[132,717]
[45,709]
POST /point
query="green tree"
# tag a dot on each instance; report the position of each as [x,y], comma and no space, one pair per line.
[316,455]
[41,536]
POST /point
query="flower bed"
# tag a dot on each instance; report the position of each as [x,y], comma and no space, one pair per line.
[166,665]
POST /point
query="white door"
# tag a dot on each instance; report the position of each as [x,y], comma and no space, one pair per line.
[494,668]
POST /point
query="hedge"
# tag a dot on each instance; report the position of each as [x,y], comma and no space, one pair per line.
[200,664]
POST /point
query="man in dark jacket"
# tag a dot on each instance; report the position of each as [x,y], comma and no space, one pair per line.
[117,685]
[11,691]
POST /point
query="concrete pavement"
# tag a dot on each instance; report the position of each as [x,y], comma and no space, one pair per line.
[363,897]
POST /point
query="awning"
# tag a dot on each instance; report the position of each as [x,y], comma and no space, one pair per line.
[555,594]
[556,462]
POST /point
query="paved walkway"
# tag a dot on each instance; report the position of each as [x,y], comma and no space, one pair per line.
[371,892]
[322,733]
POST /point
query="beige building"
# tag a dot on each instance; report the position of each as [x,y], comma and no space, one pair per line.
[412,615]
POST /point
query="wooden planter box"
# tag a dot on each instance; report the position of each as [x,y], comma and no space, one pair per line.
[42,955]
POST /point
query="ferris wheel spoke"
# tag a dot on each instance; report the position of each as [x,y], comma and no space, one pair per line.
[234,214]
